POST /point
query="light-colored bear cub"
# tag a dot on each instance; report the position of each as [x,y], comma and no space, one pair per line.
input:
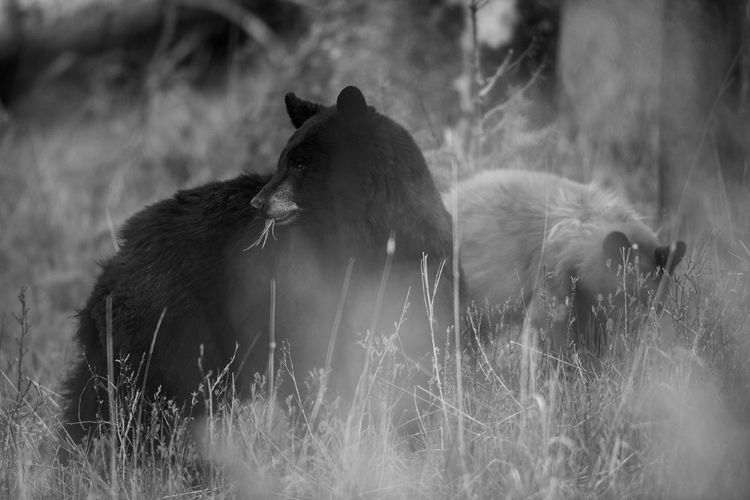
[567,249]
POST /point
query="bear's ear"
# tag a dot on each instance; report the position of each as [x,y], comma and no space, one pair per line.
[351,105]
[300,110]
[661,254]
[615,245]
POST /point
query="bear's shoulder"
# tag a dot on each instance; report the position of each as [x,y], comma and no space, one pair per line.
[207,211]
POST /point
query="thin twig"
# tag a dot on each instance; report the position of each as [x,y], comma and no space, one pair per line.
[476,76]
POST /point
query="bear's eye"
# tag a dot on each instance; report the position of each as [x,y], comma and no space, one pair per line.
[299,167]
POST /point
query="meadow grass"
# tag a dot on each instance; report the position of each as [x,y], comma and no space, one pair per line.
[663,418]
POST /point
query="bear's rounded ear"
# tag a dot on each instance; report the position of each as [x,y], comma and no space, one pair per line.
[351,105]
[661,254]
[615,246]
[300,110]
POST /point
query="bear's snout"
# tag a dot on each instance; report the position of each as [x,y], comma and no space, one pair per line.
[258,202]
[276,202]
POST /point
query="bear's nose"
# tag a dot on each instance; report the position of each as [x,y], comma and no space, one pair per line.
[257,203]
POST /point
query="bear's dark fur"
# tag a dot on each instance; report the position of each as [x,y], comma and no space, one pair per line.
[547,240]
[347,179]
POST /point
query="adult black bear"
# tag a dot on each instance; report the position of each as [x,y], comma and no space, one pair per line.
[347,180]
[548,240]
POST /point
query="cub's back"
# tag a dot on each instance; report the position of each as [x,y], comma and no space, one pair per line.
[508,218]
[502,220]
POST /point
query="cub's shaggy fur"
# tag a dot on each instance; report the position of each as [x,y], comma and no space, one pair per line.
[560,246]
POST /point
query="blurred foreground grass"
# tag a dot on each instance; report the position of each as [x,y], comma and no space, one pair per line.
[661,421]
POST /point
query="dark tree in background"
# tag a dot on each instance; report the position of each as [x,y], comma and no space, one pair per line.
[33,37]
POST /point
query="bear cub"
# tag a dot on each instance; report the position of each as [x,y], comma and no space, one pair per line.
[567,250]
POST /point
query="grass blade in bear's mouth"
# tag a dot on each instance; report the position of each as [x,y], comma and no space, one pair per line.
[263,237]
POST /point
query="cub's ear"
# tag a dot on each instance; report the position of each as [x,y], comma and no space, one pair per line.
[351,105]
[615,245]
[300,110]
[661,255]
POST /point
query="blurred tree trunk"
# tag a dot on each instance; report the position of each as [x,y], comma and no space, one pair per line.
[745,62]
[10,46]
[654,101]
[704,126]
[609,71]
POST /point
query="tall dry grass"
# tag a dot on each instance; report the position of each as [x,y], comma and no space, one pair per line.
[664,418]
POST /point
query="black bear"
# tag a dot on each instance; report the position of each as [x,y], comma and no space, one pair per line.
[349,183]
[561,246]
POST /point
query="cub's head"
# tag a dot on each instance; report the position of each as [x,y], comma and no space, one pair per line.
[641,264]
[304,179]
[633,266]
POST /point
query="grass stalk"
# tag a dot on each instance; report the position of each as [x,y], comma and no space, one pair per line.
[138,421]
[360,397]
[332,341]
[271,355]
[111,399]
[456,316]
[429,301]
